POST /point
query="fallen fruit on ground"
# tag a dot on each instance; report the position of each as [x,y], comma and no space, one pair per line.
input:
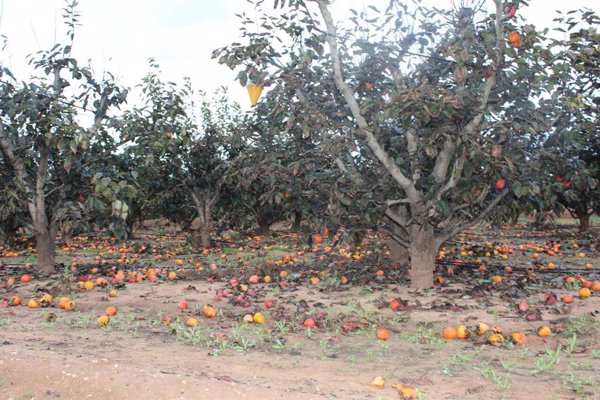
[110,311]
[495,339]
[382,333]
[33,303]
[407,392]
[309,323]
[449,333]
[103,320]
[259,318]
[518,337]
[209,311]
[544,331]
[191,322]
[378,382]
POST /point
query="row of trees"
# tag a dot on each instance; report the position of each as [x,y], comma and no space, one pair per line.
[416,121]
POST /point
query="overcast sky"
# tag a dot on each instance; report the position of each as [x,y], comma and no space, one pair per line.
[120,35]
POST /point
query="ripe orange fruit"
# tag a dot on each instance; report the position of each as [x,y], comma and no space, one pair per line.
[500,183]
[112,293]
[461,332]
[584,292]
[111,310]
[377,382]
[26,278]
[16,300]
[544,331]
[407,392]
[514,39]
[191,322]
[497,279]
[518,337]
[449,333]
[254,279]
[596,286]
[379,273]
[88,285]
[495,339]
[259,318]
[309,323]
[267,279]
[395,304]
[587,284]
[314,280]
[33,303]
[68,305]
[482,328]
[382,333]
[567,298]
[209,311]
[103,320]
[172,275]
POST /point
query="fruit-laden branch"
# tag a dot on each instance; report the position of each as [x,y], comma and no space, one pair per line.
[388,162]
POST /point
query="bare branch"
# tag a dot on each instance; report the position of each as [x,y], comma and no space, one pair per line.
[395,238]
[397,218]
[442,161]
[447,234]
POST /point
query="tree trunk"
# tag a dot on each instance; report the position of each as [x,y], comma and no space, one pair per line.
[46,254]
[205,236]
[423,251]
[203,203]
[398,253]
[297,220]
[263,229]
[584,222]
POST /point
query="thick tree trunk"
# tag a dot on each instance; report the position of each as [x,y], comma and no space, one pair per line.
[584,222]
[205,236]
[423,251]
[398,253]
[46,254]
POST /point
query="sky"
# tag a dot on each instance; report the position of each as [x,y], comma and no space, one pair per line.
[120,35]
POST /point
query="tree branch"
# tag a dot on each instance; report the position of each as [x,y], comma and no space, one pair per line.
[388,162]
[442,161]
[447,234]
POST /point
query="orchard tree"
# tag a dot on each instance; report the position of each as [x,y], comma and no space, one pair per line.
[42,140]
[181,155]
[571,152]
[284,173]
[435,107]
